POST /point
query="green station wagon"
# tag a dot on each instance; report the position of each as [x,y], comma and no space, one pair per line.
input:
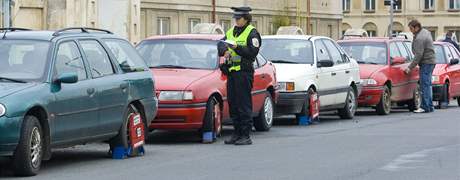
[65,88]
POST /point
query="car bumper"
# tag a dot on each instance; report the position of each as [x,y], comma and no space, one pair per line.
[150,108]
[290,102]
[10,132]
[438,92]
[179,116]
[370,96]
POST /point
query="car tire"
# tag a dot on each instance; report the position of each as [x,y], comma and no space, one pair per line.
[414,104]
[213,117]
[348,112]
[384,106]
[306,106]
[28,155]
[123,139]
[444,96]
[265,119]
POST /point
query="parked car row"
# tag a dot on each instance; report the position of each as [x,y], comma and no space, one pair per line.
[79,85]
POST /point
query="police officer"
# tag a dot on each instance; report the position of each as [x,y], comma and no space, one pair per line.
[240,50]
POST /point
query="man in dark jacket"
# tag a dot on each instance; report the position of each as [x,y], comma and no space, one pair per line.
[425,58]
[240,47]
[450,40]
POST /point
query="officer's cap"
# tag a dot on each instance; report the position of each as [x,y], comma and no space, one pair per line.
[239,12]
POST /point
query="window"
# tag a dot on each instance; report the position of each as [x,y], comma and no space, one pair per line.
[366,52]
[371,33]
[454,4]
[454,52]
[403,50]
[254,23]
[321,51]
[97,57]
[68,59]
[261,60]
[398,8]
[370,5]
[429,5]
[292,50]
[394,51]
[409,48]
[334,52]
[163,26]
[271,28]
[192,22]
[329,30]
[127,57]
[440,55]
[225,25]
[346,5]
[433,34]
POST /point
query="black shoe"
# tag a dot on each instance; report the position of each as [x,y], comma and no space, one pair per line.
[244,141]
[233,139]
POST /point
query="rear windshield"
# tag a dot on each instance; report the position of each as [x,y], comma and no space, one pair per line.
[366,53]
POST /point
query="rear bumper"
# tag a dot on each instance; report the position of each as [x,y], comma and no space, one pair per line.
[438,92]
[179,116]
[10,132]
[370,96]
[290,102]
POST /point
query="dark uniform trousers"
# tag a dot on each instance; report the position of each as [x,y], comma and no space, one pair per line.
[239,87]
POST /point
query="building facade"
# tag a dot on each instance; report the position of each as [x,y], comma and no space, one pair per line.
[438,16]
[159,17]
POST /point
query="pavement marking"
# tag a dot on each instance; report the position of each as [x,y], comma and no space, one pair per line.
[403,161]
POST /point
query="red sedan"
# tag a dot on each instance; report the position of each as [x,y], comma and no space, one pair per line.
[446,75]
[382,63]
[191,88]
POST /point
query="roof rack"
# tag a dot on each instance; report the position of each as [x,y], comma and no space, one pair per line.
[82,29]
[11,29]
[14,29]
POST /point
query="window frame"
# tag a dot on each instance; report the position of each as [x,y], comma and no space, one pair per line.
[80,50]
[159,22]
[114,67]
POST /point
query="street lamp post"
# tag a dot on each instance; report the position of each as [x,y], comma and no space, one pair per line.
[6,4]
[391,19]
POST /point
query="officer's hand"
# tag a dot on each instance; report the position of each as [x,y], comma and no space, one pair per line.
[224,68]
[227,54]
[234,46]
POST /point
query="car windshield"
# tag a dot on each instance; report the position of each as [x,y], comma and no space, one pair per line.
[189,54]
[367,53]
[440,56]
[23,60]
[288,51]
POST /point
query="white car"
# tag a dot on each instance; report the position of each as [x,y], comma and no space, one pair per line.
[307,64]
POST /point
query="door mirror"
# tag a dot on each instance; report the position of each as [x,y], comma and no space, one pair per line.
[325,63]
[69,77]
[398,60]
[454,61]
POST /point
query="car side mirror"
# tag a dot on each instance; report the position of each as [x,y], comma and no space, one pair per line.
[325,63]
[68,77]
[454,61]
[398,60]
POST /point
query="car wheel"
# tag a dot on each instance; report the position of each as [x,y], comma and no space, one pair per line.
[384,106]
[414,104]
[123,139]
[306,106]
[348,112]
[265,119]
[444,97]
[213,117]
[28,155]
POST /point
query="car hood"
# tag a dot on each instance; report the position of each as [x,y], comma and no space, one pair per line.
[290,72]
[439,69]
[177,79]
[367,70]
[8,88]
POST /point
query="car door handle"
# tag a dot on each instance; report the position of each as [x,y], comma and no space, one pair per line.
[263,76]
[333,74]
[347,71]
[91,91]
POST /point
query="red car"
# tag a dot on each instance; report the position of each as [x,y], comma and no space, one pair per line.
[191,88]
[382,63]
[446,75]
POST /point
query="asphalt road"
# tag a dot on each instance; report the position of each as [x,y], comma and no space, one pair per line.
[402,145]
